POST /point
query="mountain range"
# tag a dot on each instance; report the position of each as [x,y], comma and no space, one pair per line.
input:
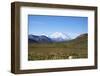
[55,37]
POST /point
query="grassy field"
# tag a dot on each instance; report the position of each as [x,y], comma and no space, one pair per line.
[76,48]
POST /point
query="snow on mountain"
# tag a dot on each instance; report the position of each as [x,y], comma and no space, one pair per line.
[58,36]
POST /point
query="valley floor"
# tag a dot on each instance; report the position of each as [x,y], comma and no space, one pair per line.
[53,51]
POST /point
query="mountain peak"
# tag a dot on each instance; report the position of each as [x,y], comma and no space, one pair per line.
[59,36]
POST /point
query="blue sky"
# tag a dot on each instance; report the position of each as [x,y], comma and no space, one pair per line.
[46,24]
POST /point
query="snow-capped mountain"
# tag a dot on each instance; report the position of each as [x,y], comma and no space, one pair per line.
[58,37]
[55,37]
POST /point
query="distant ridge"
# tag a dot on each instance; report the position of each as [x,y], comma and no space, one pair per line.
[38,39]
[82,35]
